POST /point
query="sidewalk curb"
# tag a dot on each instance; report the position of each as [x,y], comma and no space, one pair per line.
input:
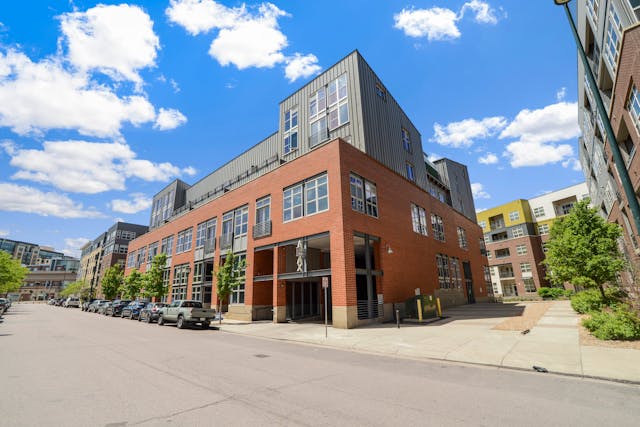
[433,359]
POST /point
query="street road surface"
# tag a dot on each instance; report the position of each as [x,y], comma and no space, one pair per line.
[63,367]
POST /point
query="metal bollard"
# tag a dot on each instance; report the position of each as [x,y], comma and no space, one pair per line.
[398,318]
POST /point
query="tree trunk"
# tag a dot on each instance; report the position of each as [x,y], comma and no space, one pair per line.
[604,297]
[220,311]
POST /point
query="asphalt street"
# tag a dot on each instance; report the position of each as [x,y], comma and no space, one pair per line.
[63,367]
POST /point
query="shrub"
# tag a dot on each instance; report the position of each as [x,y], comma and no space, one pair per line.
[550,293]
[591,299]
[618,324]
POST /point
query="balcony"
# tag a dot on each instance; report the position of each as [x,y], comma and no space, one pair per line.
[226,241]
[209,247]
[506,273]
[262,229]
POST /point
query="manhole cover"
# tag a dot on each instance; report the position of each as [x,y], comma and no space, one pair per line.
[261,356]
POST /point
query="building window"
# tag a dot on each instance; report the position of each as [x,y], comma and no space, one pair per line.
[487,274]
[153,251]
[337,102]
[410,174]
[442,262]
[316,198]
[538,212]
[529,285]
[502,253]
[240,222]
[612,44]
[565,209]
[544,247]
[406,141]
[180,280]
[198,268]
[456,277]
[142,255]
[462,238]
[364,197]
[263,210]
[131,259]
[521,249]
[489,255]
[543,229]
[482,224]
[592,10]
[419,219]
[128,235]
[437,226]
[634,107]
[290,130]
[514,216]
[237,295]
[167,245]
[381,92]
[525,267]
[206,232]
[517,232]
[184,240]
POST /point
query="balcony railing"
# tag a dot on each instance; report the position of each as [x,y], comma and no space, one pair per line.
[506,274]
[262,229]
[226,241]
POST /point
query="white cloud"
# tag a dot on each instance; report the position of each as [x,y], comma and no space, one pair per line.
[439,23]
[537,132]
[138,202]
[117,40]
[478,192]
[38,96]
[301,66]
[87,167]
[18,198]
[73,246]
[561,94]
[169,119]
[245,38]
[433,157]
[4,233]
[463,133]
[572,163]
[489,159]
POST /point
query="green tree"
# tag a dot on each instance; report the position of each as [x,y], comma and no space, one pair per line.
[78,288]
[583,249]
[229,276]
[154,286]
[132,285]
[112,281]
[12,273]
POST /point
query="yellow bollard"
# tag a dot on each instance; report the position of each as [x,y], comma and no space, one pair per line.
[419,309]
[438,307]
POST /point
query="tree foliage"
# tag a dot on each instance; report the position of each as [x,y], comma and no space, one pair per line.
[132,285]
[78,288]
[153,284]
[583,249]
[112,281]
[229,276]
[12,273]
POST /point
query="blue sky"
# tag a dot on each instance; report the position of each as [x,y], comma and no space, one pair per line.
[103,104]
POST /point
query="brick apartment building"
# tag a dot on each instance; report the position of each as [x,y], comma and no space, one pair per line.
[610,33]
[340,191]
[515,234]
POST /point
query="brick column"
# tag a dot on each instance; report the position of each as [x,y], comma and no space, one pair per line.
[279,288]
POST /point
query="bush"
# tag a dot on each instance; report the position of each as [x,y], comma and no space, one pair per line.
[551,293]
[618,324]
[591,299]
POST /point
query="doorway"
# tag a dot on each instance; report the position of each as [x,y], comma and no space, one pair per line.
[305,300]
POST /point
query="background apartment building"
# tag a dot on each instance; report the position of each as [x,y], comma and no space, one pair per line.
[515,234]
[610,33]
[106,250]
[342,190]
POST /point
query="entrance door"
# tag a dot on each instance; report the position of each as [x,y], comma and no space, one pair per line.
[303,300]
[468,280]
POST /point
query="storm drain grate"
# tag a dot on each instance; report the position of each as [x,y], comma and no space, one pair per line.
[260,356]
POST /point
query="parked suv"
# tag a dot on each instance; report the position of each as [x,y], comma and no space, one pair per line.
[151,311]
[102,308]
[95,304]
[132,311]
[71,302]
[115,309]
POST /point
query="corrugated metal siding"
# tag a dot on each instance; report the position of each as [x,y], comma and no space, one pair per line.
[383,121]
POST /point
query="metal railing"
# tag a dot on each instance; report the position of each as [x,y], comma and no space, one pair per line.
[262,229]
[226,241]
[369,309]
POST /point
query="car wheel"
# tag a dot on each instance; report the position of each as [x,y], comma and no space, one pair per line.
[180,323]
[205,325]
[148,318]
[131,315]
[160,320]
[139,318]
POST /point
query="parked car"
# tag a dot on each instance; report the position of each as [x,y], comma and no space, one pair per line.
[71,302]
[102,308]
[60,301]
[52,301]
[185,313]
[4,305]
[150,312]
[132,311]
[93,307]
[116,307]
[84,306]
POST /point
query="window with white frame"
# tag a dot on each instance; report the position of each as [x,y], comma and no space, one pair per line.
[543,229]
[406,141]
[263,210]
[240,222]
[198,269]
[592,10]
[538,212]
[521,249]
[613,37]
[437,226]
[290,130]
[318,117]
[371,198]
[529,285]
[565,209]
[462,238]
[419,219]
[338,102]
[184,240]
[237,295]
[152,252]
[525,267]
[306,198]
[206,232]
[634,107]
[167,245]
[180,280]
[517,232]
[442,262]
[364,196]
[514,216]
[142,255]
[410,173]
[131,259]
[381,91]
[227,225]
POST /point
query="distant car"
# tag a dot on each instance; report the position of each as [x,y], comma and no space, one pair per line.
[150,312]
[72,302]
[102,308]
[85,304]
[132,311]
[116,307]
[60,301]
[4,305]
[52,301]
[93,307]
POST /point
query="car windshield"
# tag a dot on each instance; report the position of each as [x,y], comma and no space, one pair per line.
[192,304]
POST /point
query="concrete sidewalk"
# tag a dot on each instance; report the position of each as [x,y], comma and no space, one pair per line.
[468,336]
